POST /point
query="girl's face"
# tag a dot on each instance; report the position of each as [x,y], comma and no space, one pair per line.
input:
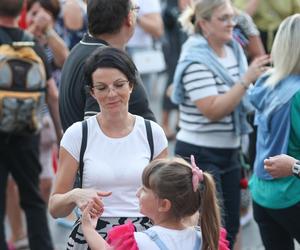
[220,26]
[111,89]
[149,202]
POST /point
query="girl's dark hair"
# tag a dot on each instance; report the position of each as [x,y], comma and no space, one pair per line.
[107,57]
[172,179]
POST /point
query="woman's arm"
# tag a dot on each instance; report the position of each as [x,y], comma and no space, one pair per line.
[255,47]
[57,46]
[163,154]
[52,102]
[218,106]
[64,198]
[42,28]
[152,23]
[252,6]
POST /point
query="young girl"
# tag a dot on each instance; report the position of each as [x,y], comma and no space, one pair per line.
[172,193]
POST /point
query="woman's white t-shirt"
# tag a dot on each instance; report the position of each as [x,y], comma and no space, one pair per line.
[115,164]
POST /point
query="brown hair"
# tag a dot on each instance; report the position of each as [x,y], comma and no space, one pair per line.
[172,179]
[52,6]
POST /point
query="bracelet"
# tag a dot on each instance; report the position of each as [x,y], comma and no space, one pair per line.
[244,84]
[49,32]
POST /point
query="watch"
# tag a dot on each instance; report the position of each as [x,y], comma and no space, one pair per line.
[296,169]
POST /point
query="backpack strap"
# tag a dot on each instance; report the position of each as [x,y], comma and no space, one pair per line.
[5,37]
[82,149]
[149,137]
[154,237]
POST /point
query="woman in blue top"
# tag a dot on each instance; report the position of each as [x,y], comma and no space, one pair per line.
[210,85]
[276,97]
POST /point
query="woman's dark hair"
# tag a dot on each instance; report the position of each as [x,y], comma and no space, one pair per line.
[106,16]
[107,57]
[52,6]
[172,179]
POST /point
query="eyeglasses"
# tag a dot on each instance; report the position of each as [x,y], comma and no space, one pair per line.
[117,86]
[135,8]
[228,19]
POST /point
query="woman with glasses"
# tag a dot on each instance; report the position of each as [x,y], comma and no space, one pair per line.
[117,150]
[210,86]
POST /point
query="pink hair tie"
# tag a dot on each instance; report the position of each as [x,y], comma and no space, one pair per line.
[197,174]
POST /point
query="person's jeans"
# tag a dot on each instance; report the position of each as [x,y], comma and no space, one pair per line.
[278,227]
[225,167]
[20,158]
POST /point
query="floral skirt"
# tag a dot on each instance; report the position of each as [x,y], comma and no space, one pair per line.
[77,241]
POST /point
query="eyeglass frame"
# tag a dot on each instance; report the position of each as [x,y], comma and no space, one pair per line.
[134,7]
[228,19]
[116,89]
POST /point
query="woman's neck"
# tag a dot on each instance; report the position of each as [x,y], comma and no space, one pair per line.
[218,47]
[116,125]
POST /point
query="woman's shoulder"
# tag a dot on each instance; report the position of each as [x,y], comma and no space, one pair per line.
[73,128]
[141,122]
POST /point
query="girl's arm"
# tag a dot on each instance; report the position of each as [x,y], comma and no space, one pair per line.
[94,240]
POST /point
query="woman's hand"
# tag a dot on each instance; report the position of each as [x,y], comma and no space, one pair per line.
[83,196]
[256,69]
[280,165]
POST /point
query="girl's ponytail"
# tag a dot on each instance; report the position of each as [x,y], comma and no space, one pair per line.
[210,218]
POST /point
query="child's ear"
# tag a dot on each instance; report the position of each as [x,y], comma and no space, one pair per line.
[165,205]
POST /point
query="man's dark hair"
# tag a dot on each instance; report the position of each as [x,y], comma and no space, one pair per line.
[106,16]
[10,8]
[108,57]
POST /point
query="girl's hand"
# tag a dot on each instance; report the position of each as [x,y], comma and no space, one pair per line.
[89,218]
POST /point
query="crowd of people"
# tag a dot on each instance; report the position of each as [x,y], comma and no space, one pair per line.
[79,140]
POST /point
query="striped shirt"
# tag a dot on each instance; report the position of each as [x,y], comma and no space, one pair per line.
[200,82]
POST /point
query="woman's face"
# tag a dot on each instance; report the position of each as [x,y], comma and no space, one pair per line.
[220,26]
[32,12]
[111,89]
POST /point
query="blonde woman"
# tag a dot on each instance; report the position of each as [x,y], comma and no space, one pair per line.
[210,86]
[276,97]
